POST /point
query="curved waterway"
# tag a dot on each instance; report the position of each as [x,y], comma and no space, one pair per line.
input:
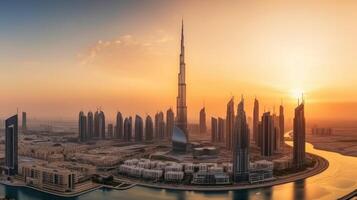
[339,179]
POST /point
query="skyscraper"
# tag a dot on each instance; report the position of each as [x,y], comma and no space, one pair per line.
[110,131]
[299,137]
[241,145]
[267,135]
[149,129]
[127,129]
[221,129]
[181,114]
[82,127]
[90,125]
[281,125]
[214,130]
[24,122]
[101,126]
[11,148]
[277,137]
[203,127]
[159,125]
[230,124]
[119,126]
[96,125]
[139,128]
[256,121]
[170,121]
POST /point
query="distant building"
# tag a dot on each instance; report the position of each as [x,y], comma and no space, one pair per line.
[24,122]
[101,125]
[256,121]
[90,125]
[170,121]
[299,137]
[267,135]
[159,125]
[96,125]
[281,125]
[139,128]
[214,130]
[229,124]
[241,146]
[149,129]
[82,127]
[119,126]
[110,131]
[11,145]
[203,128]
[277,138]
[221,129]
[127,129]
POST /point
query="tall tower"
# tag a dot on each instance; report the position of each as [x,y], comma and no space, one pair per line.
[267,135]
[181,118]
[82,127]
[240,145]
[11,145]
[299,137]
[281,124]
[230,124]
[203,127]
[256,121]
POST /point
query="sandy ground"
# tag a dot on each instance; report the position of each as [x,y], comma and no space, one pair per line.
[345,144]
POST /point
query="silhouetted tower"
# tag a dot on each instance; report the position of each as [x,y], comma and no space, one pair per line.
[230,124]
[11,145]
[299,137]
[139,128]
[149,129]
[90,125]
[241,145]
[256,121]
[170,121]
[203,127]
[119,126]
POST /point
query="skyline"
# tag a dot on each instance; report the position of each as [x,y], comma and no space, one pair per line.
[118,65]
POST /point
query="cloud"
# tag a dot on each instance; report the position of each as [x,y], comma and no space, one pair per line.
[128,53]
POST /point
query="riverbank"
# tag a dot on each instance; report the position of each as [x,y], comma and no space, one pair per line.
[343,144]
[320,165]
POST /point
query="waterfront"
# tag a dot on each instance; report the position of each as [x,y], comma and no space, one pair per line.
[338,180]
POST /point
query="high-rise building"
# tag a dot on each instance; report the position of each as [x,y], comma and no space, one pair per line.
[90,125]
[119,126]
[277,143]
[24,122]
[82,127]
[170,121]
[256,121]
[203,127]
[299,137]
[281,125]
[110,131]
[139,128]
[267,135]
[181,114]
[159,126]
[221,129]
[101,125]
[127,129]
[96,125]
[11,147]
[149,129]
[214,130]
[229,124]
[241,145]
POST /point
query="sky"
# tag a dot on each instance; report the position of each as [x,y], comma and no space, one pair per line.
[60,57]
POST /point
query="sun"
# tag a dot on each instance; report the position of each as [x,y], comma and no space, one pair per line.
[296,93]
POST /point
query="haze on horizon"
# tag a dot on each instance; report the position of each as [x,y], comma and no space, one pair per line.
[60,57]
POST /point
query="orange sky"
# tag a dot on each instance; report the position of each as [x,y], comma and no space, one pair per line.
[268,49]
